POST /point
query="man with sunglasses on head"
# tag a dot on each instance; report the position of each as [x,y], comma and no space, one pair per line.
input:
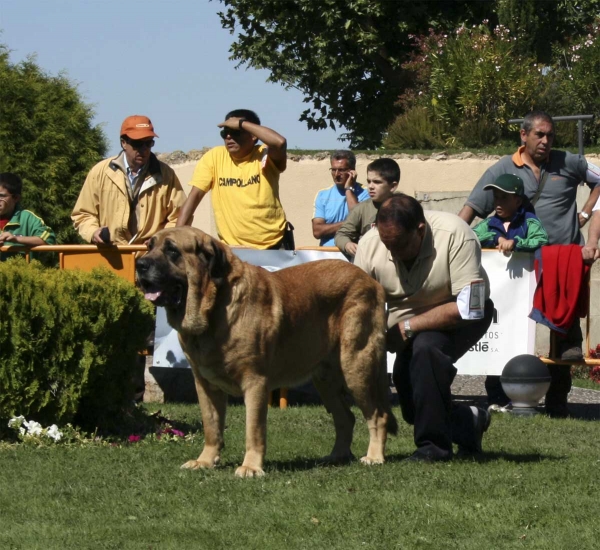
[243,178]
[128,198]
[333,204]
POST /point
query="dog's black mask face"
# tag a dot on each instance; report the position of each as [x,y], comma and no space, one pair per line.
[161,273]
[180,259]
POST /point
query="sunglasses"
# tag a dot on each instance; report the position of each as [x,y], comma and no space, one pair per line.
[140,143]
[234,134]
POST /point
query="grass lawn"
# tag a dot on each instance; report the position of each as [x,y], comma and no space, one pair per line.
[536,487]
[586,383]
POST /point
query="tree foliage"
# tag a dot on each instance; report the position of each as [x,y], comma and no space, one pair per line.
[539,24]
[471,82]
[574,82]
[345,56]
[47,137]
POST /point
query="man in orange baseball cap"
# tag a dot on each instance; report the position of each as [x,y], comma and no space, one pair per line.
[128,198]
[138,127]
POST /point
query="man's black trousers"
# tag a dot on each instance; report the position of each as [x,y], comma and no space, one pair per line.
[423,374]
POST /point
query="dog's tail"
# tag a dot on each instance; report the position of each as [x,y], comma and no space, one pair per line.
[392,423]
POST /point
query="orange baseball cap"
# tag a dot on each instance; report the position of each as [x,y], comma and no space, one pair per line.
[137,127]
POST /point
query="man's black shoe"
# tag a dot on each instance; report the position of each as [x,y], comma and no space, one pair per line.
[482,420]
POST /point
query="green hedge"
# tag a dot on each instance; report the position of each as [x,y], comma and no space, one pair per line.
[69,343]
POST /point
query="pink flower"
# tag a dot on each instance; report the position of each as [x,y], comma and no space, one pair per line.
[173,431]
[134,438]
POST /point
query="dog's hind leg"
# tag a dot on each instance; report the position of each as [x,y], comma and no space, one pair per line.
[256,398]
[213,405]
[367,382]
[362,360]
[329,382]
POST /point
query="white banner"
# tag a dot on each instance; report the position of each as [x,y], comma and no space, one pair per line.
[511,333]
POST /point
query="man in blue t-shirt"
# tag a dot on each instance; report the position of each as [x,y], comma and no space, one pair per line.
[333,204]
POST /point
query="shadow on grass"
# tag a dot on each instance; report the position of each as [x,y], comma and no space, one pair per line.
[491,457]
[305,464]
[511,457]
[301,465]
[585,411]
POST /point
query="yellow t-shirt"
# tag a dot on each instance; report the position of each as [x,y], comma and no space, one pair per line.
[245,196]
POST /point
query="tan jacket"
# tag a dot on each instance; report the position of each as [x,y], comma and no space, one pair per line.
[104,201]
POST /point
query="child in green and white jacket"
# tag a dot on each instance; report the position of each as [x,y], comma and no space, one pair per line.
[514,226]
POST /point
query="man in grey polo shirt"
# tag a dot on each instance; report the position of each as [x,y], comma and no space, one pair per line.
[429,264]
[551,178]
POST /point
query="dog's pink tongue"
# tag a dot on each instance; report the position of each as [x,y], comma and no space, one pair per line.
[152,296]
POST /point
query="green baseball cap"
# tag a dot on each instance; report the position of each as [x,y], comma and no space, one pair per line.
[509,183]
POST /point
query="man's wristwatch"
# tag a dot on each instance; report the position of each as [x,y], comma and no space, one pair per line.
[242,120]
[585,215]
[407,332]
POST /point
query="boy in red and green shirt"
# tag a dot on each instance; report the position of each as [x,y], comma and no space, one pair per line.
[19,226]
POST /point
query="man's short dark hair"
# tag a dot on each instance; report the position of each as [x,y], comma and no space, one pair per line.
[388,169]
[402,211]
[12,183]
[249,115]
[344,154]
[530,119]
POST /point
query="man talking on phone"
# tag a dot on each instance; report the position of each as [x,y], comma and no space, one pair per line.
[333,204]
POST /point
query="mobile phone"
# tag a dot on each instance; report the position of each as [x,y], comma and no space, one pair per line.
[105,235]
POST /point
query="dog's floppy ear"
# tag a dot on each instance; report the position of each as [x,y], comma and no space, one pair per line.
[215,260]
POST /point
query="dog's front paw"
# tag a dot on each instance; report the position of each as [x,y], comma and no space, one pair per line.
[371,461]
[247,471]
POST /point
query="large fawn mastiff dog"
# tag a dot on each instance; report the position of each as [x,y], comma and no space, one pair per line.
[246,331]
